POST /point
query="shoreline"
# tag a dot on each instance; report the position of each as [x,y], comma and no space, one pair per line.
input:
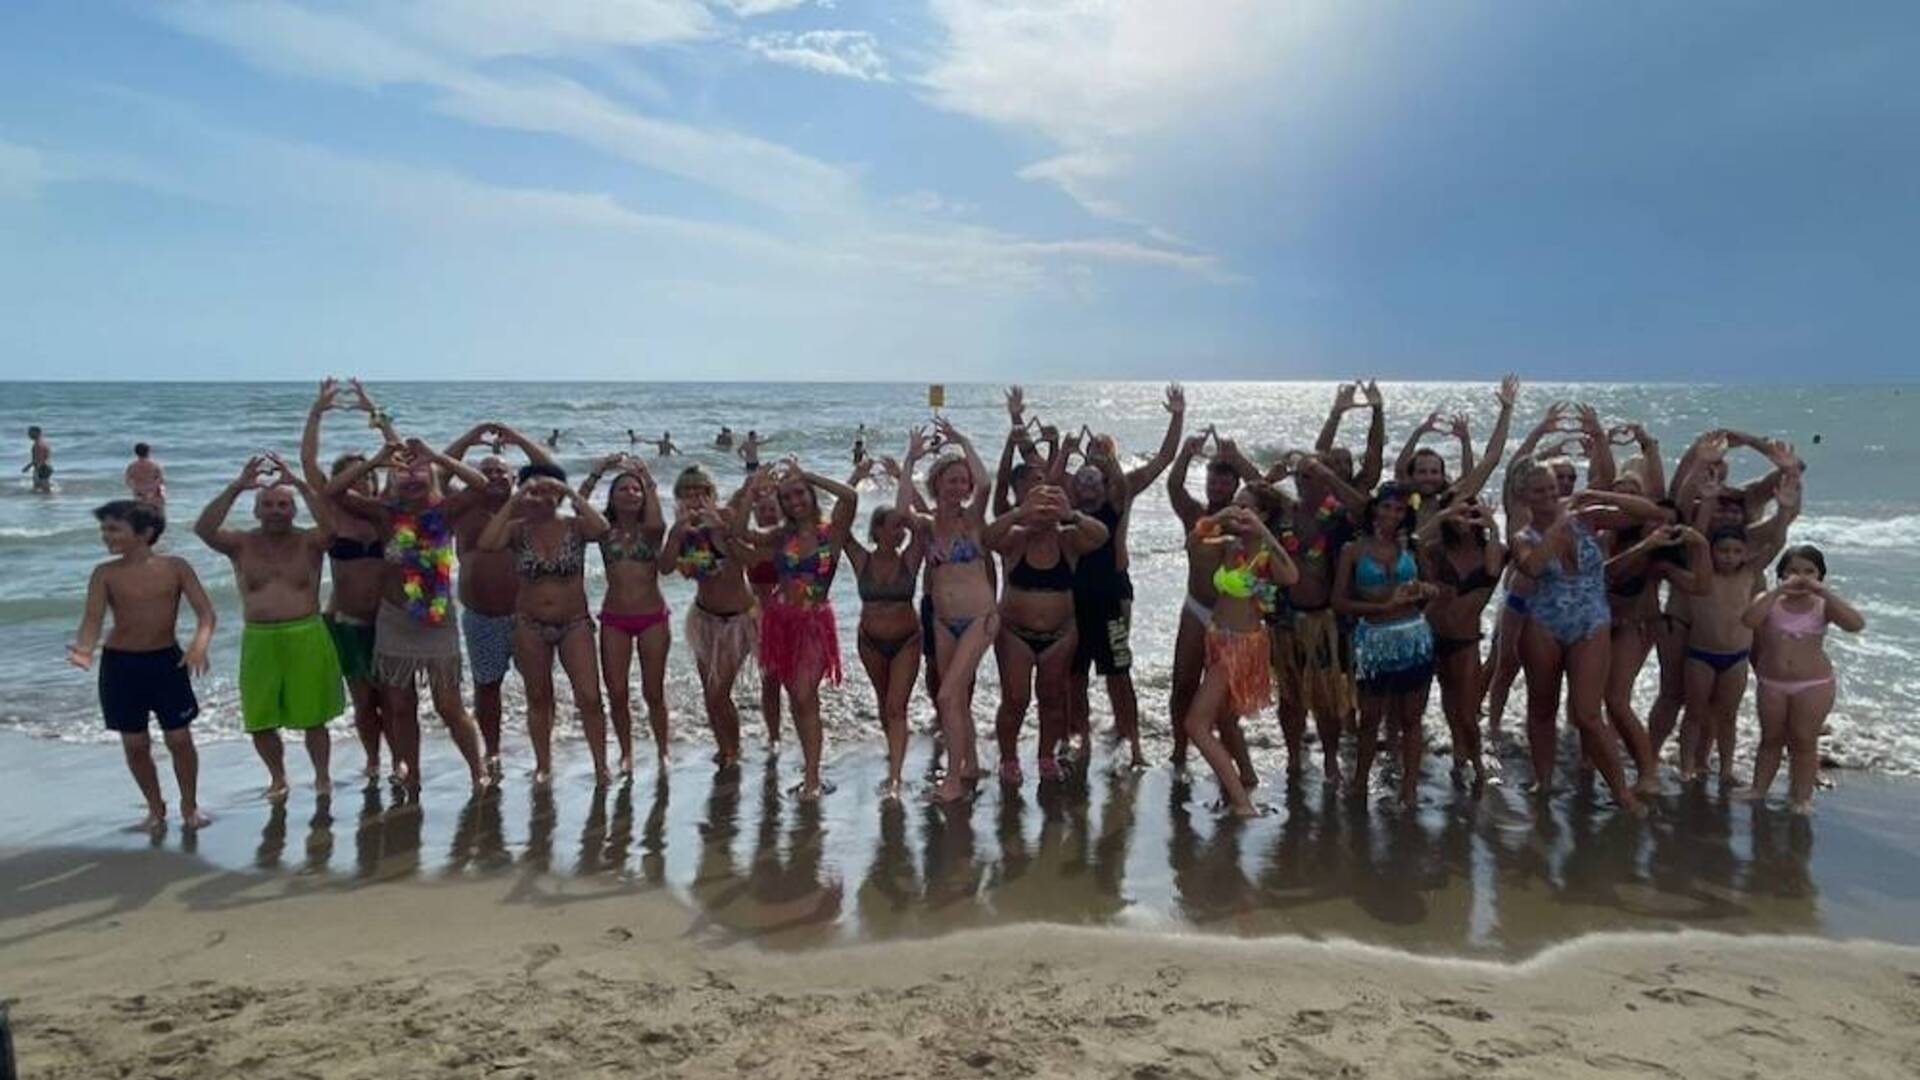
[1494,877]
[426,978]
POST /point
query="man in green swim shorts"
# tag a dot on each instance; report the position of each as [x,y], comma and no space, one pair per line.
[289,673]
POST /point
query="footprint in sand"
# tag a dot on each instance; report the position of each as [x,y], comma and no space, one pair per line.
[539,956]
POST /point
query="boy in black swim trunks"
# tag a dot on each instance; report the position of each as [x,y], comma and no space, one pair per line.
[143,672]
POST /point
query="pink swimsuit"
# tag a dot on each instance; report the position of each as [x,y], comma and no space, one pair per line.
[1798,625]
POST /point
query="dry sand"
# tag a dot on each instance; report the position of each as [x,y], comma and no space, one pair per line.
[153,964]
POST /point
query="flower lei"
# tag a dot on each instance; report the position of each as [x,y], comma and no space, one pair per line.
[1317,549]
[699,559]
[795,560]
[425,547]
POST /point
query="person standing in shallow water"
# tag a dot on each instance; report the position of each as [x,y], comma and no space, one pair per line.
[145,479]
[39,461]
[487,585]
[289,674]
[1102,586]
[415,634]
[355,560]
[551,617]
[799,637]
[634,617]
[143,673]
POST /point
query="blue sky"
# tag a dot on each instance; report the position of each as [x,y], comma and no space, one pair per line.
[957,189]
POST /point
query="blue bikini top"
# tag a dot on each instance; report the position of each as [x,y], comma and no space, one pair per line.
[1368,573]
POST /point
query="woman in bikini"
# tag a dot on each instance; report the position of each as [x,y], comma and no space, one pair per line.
[1238,677]
[889,635]
[357,564]
[960,580]
[722,625]
[1381,584]
[1461,543]
[634,617]
[799,636]
[551,617]
[1639,558]
[416,632]
[1567,629]
[1038,539]
[1790,662]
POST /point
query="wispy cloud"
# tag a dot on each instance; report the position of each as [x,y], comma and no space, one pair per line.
[853,54]
[23,170]
[291,39]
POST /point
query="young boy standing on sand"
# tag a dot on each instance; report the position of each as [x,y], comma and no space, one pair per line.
[143,672]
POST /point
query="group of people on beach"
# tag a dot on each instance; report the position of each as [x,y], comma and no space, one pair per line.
[1316,583]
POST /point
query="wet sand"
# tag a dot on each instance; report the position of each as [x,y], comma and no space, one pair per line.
[1112,926]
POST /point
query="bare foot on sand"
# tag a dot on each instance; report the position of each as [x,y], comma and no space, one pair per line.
[277,791]
[155,820]
[192,817]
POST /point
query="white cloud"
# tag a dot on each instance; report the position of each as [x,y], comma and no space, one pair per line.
[923,201]
[853,54]
[1079,174]
[23,170]
[290,39]
[1107,79]
[748,9]
[485,28]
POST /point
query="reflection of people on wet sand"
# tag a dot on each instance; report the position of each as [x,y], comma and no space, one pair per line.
[782,898]
[1208,882]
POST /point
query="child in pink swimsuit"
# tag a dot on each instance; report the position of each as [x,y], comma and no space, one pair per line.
[1789,624]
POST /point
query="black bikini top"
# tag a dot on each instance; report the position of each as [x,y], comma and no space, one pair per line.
[1055,578]
[347,549]
[1473,581]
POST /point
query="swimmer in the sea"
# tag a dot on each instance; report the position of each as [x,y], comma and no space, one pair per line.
[1790,663]
[40,461]
[143,672]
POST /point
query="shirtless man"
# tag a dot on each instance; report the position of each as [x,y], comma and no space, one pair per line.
[488,585]
[40,461]
[143,672]
[1311,658]
[724,440]
[1102,588]
[749,451]
[289,674]
[1224,474]
[145,478]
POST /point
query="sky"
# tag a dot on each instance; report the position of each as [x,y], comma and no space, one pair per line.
[958,189]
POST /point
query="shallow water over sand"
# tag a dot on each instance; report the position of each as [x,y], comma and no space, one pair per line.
[1487,877]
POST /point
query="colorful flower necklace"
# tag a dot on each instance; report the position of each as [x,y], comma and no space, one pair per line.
[422,546]
[699,557]
[1317,549]
[810,564]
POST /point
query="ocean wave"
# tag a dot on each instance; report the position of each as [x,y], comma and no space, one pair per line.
[1899,531]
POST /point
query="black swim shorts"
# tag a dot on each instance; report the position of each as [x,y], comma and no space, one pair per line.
[138,685]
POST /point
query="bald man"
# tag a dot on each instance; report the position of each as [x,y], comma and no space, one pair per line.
[289,674]
[488,585]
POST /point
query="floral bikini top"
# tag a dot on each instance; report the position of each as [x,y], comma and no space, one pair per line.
[620,547]
[805,565]
[1246,578]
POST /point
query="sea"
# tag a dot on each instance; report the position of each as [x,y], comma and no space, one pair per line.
[1861,445]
